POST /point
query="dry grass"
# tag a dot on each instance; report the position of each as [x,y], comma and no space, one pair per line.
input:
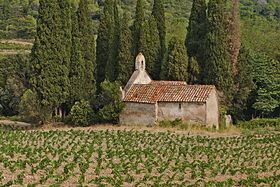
[190,130]
[18,41]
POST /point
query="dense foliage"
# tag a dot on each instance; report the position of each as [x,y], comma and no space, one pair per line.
[94,41]
[131,158]
[81,113]
[51,53]
[175,67]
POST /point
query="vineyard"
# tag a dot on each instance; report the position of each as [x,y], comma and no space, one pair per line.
[136,158]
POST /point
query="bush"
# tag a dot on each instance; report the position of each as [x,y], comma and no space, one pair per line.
[81,113]
[109,103]
[171,123]
[260,123]
[30,109]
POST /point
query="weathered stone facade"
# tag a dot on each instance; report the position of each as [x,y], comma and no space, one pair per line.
[148,101]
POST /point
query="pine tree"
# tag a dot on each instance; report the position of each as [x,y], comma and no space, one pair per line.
[158,13]
[149,45]
[195,39]
[104,40]
[176,65]
[77,72]
[88,47]
[111,66]
[125,57]
[217,69]
[138,26]
[51,54]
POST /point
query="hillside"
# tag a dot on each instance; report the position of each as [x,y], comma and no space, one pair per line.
[18,20]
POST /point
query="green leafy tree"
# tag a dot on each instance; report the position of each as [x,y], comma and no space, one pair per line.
[88,47]
[149,45]
[50,55]
[30,108]
[14,76]
[81,113]
[125,56]
[158,13]
[196,32]
[217,68]
[176,65]
[109,103]
[266,75]
[138,26]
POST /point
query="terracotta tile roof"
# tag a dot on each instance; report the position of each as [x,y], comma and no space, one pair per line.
[169,82]
[168,91]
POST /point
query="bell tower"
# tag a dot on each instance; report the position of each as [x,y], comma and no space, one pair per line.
[140,63]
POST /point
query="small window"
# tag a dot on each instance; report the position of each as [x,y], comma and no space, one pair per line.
[180,106]
[142,64]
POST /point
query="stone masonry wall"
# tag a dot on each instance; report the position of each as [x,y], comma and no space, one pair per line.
[212,106]
[195,112]
[138,114]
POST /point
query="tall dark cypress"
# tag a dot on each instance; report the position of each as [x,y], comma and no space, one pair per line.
[88,47]
[104,38]
[77,71]
[235,36]
[125,56]
[149,45]
[51,54]
[217,69]
[243,85]
[176,65]
[111,66]
[195,39]
[158,13]
[137,26]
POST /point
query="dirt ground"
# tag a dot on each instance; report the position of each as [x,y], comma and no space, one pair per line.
[18,41]
[230,132]
[14,123]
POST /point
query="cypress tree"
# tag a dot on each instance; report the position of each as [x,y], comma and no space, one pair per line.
[138,26]
[77,72]
[50,55]
[234,34]
[87,47]
[111,66]
[193,71]
[217,69]
[149,45]
[125,57]
[158,13]
[243,85]
[176,65]
[195,39]
[104,40]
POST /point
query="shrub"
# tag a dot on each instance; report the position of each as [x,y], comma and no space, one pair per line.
[171,123]
[81,113]
[260,123]
[30,109]
[109,103]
